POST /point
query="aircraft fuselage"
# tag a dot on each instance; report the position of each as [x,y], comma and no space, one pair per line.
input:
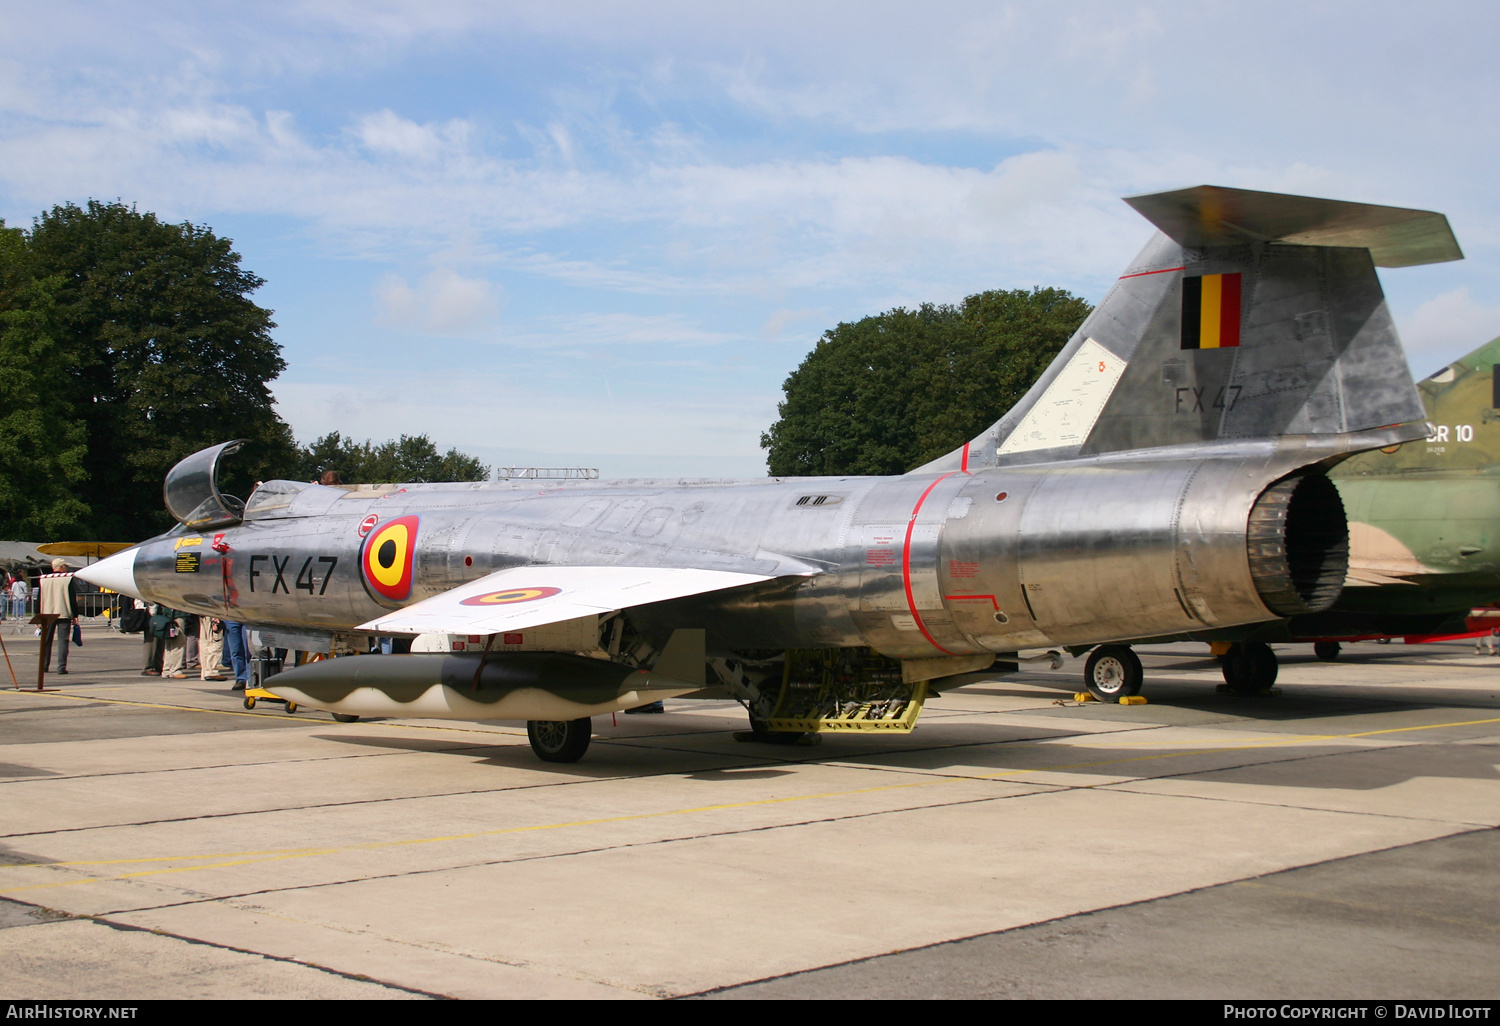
[918,566]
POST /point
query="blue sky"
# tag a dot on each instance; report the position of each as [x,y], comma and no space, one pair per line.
[602,234]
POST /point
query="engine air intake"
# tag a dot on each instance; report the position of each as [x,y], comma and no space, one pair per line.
[1298,539]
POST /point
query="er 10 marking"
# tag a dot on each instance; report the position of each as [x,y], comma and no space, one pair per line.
[1461,433]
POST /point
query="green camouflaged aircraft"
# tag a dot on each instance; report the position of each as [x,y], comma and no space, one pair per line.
[1424,517]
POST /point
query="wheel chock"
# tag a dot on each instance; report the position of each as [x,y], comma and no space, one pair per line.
[1133,700]
[1084,696]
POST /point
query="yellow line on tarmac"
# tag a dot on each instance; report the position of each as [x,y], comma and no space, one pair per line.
[143,705]
[252,857]
[509,732]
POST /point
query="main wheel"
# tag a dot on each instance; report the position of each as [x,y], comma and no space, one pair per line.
[1113,672]
[559,740]
[1327,651]
[1250,667]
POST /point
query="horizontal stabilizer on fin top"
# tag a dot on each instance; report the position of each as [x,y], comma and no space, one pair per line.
[1210,215]
[1251,317]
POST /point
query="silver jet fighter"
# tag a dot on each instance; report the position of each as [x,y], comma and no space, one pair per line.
[1166,475]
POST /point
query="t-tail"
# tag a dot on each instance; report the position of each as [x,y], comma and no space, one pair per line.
[1251,315]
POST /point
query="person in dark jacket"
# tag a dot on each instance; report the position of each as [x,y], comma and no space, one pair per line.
[154,643]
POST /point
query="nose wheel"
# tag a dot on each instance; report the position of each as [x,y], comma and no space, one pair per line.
[559,740]
[1113,672]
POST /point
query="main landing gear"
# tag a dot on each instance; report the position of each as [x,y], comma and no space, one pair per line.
[1113,672]
[559,740]
[1249,667]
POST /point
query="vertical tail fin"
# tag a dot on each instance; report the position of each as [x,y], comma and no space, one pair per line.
[1250,315]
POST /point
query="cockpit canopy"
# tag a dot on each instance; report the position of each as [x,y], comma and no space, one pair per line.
[192,493]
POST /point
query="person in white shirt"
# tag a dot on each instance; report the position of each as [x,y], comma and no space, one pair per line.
[19,591]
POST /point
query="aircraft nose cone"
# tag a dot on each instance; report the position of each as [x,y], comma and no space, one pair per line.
[117,573]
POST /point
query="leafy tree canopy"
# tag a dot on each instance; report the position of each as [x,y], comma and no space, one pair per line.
[410,458]
[42,445]
[126,344]
[159,352]
[890,392]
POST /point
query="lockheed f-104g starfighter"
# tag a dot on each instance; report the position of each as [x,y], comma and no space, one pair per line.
[1166,475]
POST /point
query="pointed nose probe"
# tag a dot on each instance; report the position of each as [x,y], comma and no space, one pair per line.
[117,573]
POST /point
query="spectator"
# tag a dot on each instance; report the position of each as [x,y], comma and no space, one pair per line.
[239,656]
[59,598]
[170,626]
[20,591]
[210,647]
[154,643]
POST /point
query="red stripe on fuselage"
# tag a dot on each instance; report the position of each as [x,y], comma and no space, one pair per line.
[911,602]
[1142,274]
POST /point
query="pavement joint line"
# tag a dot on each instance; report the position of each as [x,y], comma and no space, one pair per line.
[244,858]
[426,945]
[1365,906]
[624,741]
[1134,787]
[767,762]
[200,898]
[108,923]
[1058,919]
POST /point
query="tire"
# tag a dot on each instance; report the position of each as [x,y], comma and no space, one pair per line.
[346,717]
[291,707]
[1113,672]
[1250,667]
[559,740]
[1327,651]
[249,703]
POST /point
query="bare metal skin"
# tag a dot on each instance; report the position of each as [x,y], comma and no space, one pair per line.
[1163,477]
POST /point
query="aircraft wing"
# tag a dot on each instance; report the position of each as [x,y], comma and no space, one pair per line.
[530,596]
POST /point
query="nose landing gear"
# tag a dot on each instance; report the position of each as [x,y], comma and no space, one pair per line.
[1113,672]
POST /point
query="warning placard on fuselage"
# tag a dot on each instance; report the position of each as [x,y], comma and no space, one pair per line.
[1067,410]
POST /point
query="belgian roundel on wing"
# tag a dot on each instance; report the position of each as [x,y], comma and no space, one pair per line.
[386,562]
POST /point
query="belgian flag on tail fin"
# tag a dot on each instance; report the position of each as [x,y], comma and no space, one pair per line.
[1211,311]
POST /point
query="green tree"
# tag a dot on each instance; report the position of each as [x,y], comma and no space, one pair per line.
[410,458]
[41,441]
[889,392]
[162,354]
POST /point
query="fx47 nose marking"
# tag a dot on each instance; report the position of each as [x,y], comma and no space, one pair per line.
[306,579]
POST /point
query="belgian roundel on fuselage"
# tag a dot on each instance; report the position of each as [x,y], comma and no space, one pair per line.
[386,560]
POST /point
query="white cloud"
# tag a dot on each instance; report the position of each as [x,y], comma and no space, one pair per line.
[690,434]
[721,170]
[443,303]
[389,133]
[1446,327]
[604,331]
